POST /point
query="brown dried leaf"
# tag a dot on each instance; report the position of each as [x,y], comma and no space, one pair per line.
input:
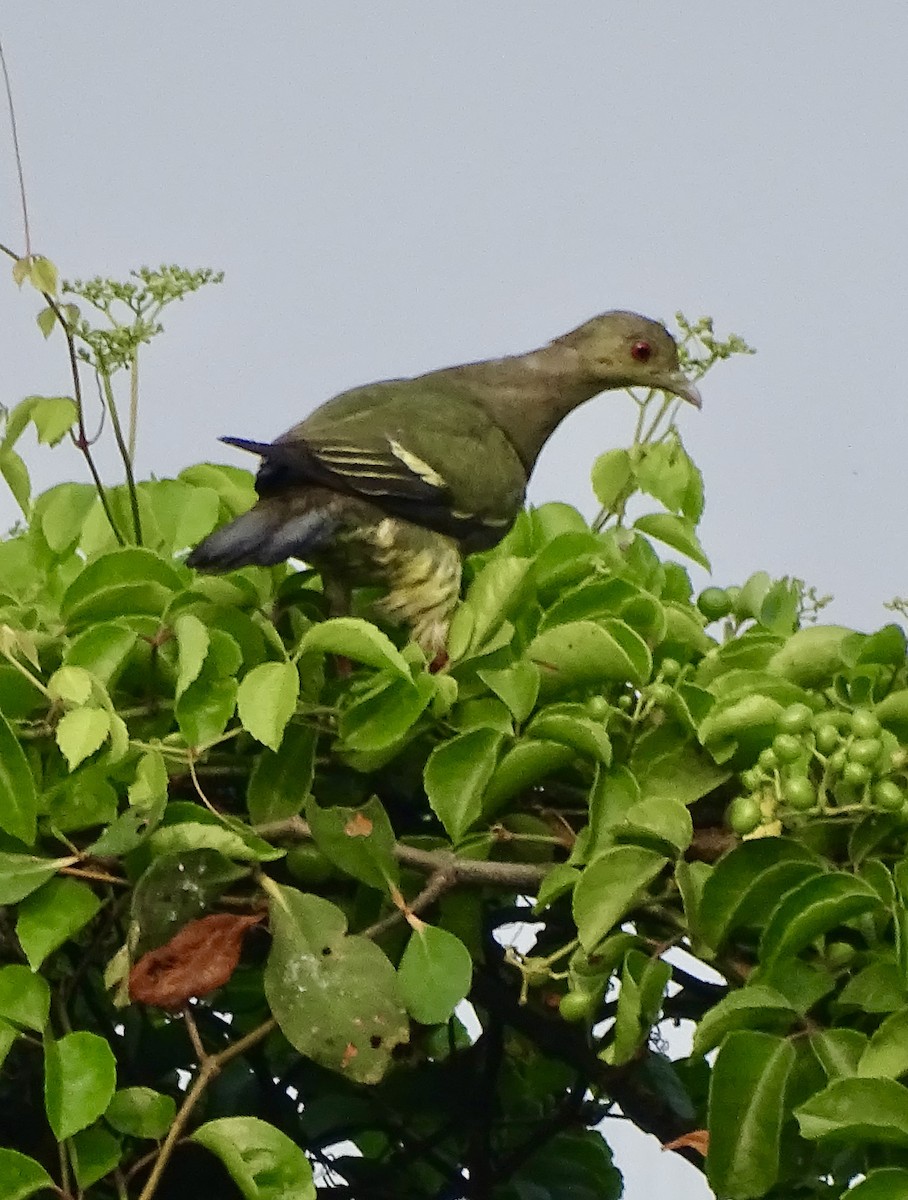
[697,1139]
[198,959]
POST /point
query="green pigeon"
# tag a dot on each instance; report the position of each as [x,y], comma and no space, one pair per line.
[392,483]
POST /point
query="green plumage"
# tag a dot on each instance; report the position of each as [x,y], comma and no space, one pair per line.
[392,482]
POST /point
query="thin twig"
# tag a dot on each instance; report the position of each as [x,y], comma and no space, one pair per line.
[208,1070]
[16,152]
[124,455]
[439,882]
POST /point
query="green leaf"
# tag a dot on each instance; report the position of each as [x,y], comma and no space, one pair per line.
[658,823]
[812,908]
[72,684]
[746,1110]
[263,1162]
[281,779]
[53,417]
[384,716]
[128,580]
[206,706]
[95,1152]
[886,1183]
[610,887]
[879,988]
[434,974]
[664,471]
[62,512]
[747,882]
[21,1176]
[335,997]
[176,889]
[643,983]
[15,472]
[516,686]
[360,841]
[53,914]
[267,700]
[46,320]
[18,798]
[573,727]
[610,476]
[677,532]
[24,997]
[588,653]
[737,723]
[80,1074]
[192,646]
[857,1110]
[838,1050]
[141,1112]
[356,639]
[752,1007]
[524,765]
[560,880]
[81,732]
[812,656]
[456,775]
[668,762]
[42,274]
[102,650]
[887,1053]
[233,841]
[21,874]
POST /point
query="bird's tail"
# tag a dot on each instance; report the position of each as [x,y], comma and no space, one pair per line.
[267,534]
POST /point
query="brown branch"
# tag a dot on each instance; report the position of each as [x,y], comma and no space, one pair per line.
[518,876]
[438,884]
[209,1068]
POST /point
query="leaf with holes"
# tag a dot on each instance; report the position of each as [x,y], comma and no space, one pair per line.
[335,997]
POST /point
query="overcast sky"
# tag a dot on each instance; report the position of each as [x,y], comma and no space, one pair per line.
[392,187]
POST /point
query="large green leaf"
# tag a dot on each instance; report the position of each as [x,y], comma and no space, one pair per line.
[53,914]
[886,1183]
[887,1053]
[358,840]
[18,798]
[128,580]
[857,1110]
[385,715]
[21,874]
[80,1074]
[21,1176]
[141,1112]
[281,779]
[587,653]
[24,997]
[456,775]
[811,908]
[266,701]
[335,996]
[356,639]
[434,973]
[746,1110]
[610,887]
[753,1007]
[263,1162]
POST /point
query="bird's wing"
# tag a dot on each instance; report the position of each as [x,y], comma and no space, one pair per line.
[431,456]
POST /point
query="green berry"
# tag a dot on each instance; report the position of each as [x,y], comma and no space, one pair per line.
[744,814]
[837,761]
[768,760]
[670,668]
[864,724]
[827,738]
[575,1006]
[308,865]
[795,719]
[750,779]
[856,774]
[799,793]
[660,693]
[787,747]
[598,707]
[625,702]
[714,603]
[888,795]
[865,750]
[839,954]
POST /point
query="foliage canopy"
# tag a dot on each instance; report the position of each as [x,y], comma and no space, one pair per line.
[436,925]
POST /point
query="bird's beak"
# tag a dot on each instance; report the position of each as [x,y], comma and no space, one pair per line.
[680,385]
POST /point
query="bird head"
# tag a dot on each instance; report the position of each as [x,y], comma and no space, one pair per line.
[623,349]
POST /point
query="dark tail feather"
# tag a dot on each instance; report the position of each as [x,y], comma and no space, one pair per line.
[265,535]
[262,448]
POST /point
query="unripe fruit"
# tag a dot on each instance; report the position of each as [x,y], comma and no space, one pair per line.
[856,774]
[660,693]
[576,1006]
[787,747]
[827,738]
[744,814]
[864,724]
[839,954]
[795,719]
[837,761]
[768,760]
[598,707]
[625,702]
[308,865]
[714,603]
[750,778]
[888,795]
[865,750]
[799,793]
[670,668]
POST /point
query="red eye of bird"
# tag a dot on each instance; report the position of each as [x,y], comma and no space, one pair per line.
[641,351]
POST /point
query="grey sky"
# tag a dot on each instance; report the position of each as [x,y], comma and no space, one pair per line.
[399,186]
